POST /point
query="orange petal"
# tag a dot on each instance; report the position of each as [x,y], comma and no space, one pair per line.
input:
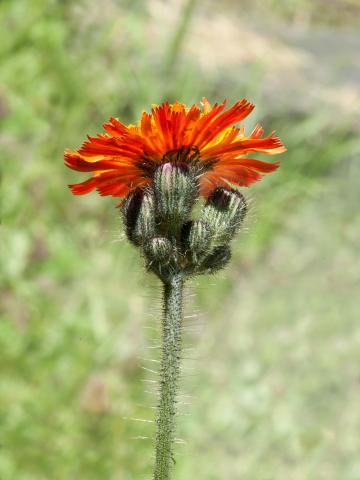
[115,127]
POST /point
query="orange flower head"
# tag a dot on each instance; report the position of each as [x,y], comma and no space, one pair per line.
[125,157]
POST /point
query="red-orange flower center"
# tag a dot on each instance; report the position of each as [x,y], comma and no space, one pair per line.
[126,157]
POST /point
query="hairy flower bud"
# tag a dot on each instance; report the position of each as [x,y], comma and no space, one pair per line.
[176,190]
[130,209]
[139,216]
[196,238]
[218,259]
[224,212]
[159,249]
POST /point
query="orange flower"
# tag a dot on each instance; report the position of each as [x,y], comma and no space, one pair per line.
[126,157]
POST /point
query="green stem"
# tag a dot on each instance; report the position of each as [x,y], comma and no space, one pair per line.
[170,370]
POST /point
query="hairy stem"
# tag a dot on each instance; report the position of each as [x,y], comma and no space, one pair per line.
[170,370]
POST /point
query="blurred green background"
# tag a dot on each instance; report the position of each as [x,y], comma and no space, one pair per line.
[271,373]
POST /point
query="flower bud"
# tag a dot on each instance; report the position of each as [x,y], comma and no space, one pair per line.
[160,250]
[196,238]
[224,212]
[138,213]
[217,259]
[176,190]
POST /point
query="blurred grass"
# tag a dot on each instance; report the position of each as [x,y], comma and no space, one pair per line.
[277,385]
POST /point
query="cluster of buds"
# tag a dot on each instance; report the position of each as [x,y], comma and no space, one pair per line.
[158,221]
